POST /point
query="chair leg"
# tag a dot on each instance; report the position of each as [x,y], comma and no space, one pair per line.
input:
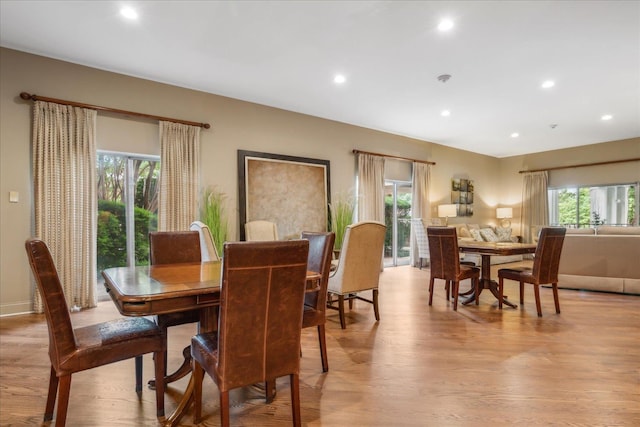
[376,310]
[160,364]
[270,390]
[224,408]
[351,298]
[521,293]
[555,297]
[294,379]
[455,285]
[63,401]
[500,292]
[476,284]
[51,397]
[447,288]
[323,348]
[536,290]
[139,374]
[343,323]
[431,290]
[198,376]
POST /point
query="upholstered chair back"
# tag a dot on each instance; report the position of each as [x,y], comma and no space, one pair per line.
[548,251]
[207,245]
[443,253]
[260,231]
[174,247]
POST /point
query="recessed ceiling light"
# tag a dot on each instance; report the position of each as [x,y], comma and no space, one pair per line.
[548,83]
[445,25]
[445,113]
[606,117]
[129,13]
[515,135]
[339,79]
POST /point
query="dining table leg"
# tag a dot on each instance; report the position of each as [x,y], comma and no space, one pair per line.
[208,323]
[487,283]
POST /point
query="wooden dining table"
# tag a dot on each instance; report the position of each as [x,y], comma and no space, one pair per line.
[486,251]
[171,288]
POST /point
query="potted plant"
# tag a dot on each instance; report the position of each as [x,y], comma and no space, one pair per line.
[341,216]
[213,213]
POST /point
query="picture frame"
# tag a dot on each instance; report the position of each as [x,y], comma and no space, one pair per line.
[293,192]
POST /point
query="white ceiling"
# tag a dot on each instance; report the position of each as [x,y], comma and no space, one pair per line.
[285,54]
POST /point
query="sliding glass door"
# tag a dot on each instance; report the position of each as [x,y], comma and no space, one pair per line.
[397,213]
[127,209]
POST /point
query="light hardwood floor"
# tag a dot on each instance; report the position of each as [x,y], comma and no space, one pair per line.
[419,366]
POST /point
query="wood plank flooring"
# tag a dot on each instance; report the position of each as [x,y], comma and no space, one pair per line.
[419,366]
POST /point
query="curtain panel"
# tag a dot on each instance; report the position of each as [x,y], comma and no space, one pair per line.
[179,176]
[535,202]
[65,205]
[420,202]
[370,188]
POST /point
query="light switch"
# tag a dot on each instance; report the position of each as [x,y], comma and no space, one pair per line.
[14,196]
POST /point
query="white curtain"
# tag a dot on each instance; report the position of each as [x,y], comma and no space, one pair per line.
[64,185]
[179,176]
[420,202]
[535,206]
[370,188]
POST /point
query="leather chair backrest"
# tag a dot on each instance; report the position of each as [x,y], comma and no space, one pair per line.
[547,259]
[444,259]
[360,257]
[260,231]
[174,247]
[62,341]
[207,245]
[262,292]
[319,260]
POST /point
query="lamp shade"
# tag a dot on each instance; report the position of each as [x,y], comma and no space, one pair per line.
[447,211]
[504,213]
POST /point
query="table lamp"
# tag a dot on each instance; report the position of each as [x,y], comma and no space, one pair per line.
[504,214]
[446,212]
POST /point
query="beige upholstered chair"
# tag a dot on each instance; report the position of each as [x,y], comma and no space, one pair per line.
[421,240]
[545,268]
[359,266]
[259,327]
[260,231]
[207,245]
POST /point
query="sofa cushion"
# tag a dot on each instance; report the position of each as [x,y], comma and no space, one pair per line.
[612,229]
[581,231]
[463,232]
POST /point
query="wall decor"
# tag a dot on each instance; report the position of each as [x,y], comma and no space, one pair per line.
[293,192]
[462,196]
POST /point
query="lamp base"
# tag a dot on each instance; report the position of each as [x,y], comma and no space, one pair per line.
[505,223]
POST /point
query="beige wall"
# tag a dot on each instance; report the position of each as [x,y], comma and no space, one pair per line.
[235,125]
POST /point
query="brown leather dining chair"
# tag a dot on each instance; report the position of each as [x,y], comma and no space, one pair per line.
[74,350]
[315,303]
[444,259]
[546,262]
[260,321]
[172,247]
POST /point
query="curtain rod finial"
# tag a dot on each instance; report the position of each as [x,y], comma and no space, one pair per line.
[206,125]
[25,96]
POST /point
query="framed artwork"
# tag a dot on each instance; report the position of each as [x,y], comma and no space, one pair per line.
[293,192]
[462,196]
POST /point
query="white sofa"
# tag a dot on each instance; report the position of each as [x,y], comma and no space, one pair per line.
[605,258]
[475,232]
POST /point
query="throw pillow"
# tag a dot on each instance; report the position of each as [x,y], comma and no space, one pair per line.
[473,226]
[504,234]
[464,232]
[476,235]
[488,234]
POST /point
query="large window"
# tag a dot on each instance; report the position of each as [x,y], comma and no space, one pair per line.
[127,208]
[589,206]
